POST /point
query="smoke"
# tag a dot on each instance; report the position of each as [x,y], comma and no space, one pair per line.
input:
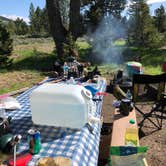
[103,40]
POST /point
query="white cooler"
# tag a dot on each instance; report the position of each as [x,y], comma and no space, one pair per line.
[61,105]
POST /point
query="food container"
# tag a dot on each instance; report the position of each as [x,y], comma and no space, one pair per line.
[61,105]
[134,68]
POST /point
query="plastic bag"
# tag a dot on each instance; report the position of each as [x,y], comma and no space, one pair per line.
[10,103]
[127,155]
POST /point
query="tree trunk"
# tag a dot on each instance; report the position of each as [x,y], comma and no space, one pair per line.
[57,29]
[74,26]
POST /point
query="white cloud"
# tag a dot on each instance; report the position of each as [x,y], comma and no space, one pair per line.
[14,17]
[149,2]
[155,1]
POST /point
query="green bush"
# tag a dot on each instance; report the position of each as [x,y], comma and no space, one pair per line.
[6,46]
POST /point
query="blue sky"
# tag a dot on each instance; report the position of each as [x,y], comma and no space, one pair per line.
[20,8]
[15,8]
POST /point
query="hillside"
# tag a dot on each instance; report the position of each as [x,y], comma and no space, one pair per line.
[4,19]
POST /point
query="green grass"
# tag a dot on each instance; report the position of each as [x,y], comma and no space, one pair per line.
[151,60]
[14,80]
[152,70]
[84,49]
[33,60]
[108,69]
[120,42]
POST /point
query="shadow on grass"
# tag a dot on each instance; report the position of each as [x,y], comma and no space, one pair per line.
[84,54]
[39,61]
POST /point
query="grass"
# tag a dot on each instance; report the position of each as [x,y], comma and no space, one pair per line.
[14,80]
[120,42]
[151,60]
[33,60]
[108,69]
[84,49]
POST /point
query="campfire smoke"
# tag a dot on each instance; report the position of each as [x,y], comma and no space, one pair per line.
[103,40]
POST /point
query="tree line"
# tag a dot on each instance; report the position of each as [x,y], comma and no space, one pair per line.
[38,23]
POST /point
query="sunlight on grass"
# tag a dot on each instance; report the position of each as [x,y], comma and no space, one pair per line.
[108,68]
[152,70]
[120,42]
[83,45]
[15,80]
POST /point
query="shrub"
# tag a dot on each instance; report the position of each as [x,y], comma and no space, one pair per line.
[6,46]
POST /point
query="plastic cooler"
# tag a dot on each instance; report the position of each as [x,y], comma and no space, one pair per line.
[134,68]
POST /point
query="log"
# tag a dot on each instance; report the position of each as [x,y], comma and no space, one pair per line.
[41,82]
[56,81]
[17,91]
[118,92]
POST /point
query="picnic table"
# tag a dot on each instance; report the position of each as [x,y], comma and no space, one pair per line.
[81,146]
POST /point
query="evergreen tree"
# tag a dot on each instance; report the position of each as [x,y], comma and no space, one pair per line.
[38,27]
[142,32]
[5,46]
[44,21]
[32,17]
[11,27]
[100,8]
[39,24]
[21,27]
[160,19]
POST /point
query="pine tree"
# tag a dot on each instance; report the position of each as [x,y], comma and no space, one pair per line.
[160,19]
[142,32]
[21,27]
[6,46]
[11,27]
[32,18]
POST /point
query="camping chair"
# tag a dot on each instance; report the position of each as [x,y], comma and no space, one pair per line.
[150,89]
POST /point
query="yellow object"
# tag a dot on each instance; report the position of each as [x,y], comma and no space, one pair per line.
[131,137]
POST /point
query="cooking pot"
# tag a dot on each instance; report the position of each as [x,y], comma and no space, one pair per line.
[4,125]
[6,143]
[125,107]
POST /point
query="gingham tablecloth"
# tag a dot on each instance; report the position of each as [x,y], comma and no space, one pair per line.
[81,146]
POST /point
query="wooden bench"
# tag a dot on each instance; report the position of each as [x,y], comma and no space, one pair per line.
[120,124]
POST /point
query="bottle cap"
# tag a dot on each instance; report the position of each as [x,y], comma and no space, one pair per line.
[131,121]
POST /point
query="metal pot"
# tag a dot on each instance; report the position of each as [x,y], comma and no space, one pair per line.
[6,143]
[4,125]
[125,106]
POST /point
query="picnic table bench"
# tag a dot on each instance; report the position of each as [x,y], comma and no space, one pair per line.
[120,124]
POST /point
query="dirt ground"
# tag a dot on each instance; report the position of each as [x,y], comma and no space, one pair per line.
[154,139]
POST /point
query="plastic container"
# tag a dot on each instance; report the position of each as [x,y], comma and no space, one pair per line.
[134,68]
[128,94]
[71,81]
[2,111]
[131,137]
[61,105]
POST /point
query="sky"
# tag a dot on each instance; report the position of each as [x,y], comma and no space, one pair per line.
[20,8]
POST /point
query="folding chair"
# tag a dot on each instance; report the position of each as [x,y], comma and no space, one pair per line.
[150,89]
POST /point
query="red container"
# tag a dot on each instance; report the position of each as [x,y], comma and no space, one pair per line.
[164,67]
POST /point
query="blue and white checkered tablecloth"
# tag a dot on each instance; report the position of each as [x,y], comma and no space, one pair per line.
[81,146]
